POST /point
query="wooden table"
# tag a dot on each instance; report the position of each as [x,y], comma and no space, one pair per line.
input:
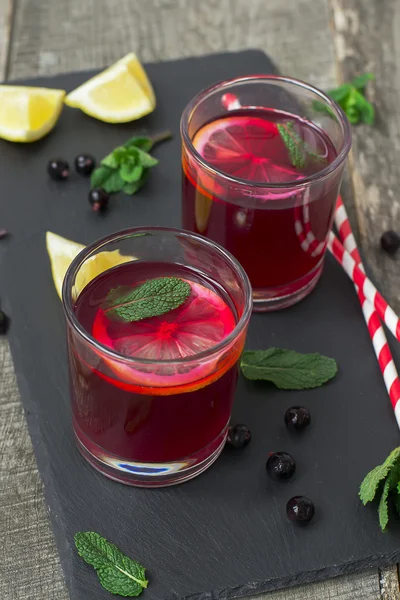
[324,42]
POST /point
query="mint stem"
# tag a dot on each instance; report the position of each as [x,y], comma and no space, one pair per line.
[161,137]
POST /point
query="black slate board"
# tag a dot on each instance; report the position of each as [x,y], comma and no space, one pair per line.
[225,533]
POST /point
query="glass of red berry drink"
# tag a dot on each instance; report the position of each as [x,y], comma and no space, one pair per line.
[154,343]
[262,159]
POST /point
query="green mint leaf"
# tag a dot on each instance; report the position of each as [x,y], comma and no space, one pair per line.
[394,476]
[115,158]
[350,97]
[365,109]
[340,93]
[114,183]
[145,159]
[353,115]
[118,573]
[132,188]
[367,114]
[383,509]
[110,161]
[361,81]
[143,143]
[371,482]
[396,502]
[287,369]
[125,168]
[150,299]
[131,173]
[297,148]
[99,176]
[296,153]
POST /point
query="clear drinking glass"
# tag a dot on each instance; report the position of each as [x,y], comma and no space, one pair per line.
[151,400]
[262,159]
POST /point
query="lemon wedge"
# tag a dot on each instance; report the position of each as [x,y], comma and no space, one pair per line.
[62,252]
[120,94]
[28,113]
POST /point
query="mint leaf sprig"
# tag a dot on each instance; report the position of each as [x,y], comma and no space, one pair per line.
[117,573]
[351,98]
[288,369]
[299,151]
[127,167]
[383,481]
[152,298]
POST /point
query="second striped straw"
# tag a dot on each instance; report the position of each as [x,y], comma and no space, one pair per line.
[376,331]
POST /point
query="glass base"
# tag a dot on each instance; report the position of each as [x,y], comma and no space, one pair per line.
[150,475]
[269,300]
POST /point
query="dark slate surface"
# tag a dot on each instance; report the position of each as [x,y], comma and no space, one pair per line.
[225,533]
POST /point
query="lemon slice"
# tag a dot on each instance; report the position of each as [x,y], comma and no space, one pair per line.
[62,252]
[119,94]
[28,113]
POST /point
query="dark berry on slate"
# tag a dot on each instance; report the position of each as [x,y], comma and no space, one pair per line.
[3,233]
[85,164]
[238,436]
[58,169]
[297,417]
[281,465]
[300,509]
[98,198]
[4,323]
[390,242]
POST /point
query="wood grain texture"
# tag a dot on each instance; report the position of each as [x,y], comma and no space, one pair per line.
[367,39]
[5,30]
[51,36]
[29,564]
[389,583]
[54,36]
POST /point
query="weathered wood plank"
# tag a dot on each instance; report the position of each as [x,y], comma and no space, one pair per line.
[29,563]
[389,583]
[5,29]
[367,39]
[52,36]
[55,36]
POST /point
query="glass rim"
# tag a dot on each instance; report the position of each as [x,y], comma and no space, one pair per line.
[320,175]
[85,253]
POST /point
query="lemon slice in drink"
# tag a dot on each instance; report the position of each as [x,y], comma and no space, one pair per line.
[120,94]
[28,113]
[62,252]
[200,323]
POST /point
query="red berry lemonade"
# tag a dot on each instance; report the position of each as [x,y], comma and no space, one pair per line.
[278,234]
[140,416]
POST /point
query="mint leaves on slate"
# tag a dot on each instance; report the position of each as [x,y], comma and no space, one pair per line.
[117,573]
[127,167]
[383,481]
[287,369]
[150,299]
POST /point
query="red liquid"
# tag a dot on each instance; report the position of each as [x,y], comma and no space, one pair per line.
[138,412]
[259,226]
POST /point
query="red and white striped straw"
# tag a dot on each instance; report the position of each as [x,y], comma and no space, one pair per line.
[345,232]
[365,285]
[376,331]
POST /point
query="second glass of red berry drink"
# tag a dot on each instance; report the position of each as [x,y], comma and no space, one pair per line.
[151,393]
[262,159]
